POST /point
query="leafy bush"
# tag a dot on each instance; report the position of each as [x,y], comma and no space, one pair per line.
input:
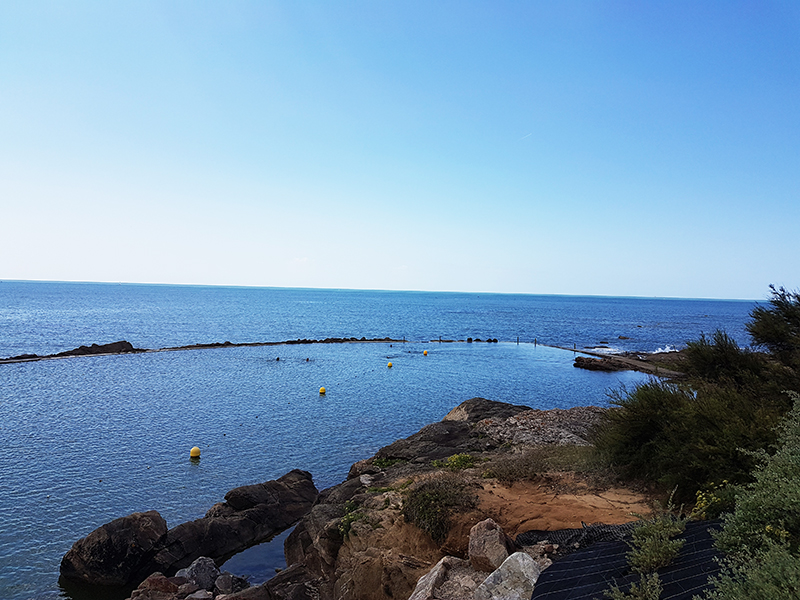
[772,575]
[690,434]
[762,535]
[721,359]
[678,436]
[768,510]
[429,503]
[653,546]
[715,500]
[649,588]
[777,327]
[457,462]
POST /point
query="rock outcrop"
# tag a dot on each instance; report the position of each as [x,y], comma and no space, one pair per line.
[356,544]
[127,550]
[250,515]
[121,347]
[112,554]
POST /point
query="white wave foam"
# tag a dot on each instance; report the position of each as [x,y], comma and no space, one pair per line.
[666,348]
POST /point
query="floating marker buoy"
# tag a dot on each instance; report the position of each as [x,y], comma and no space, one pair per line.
[194,452]
[389,365]
[425,353]
[322,391]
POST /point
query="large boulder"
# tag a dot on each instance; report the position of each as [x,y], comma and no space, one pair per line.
[203,572]
[514,580]
[451,577]
[129,549]
[113,553]
[267,509]
[489,546]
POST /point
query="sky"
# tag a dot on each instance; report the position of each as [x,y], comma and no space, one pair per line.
[618,148]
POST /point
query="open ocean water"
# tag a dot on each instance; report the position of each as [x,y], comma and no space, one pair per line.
[85,440]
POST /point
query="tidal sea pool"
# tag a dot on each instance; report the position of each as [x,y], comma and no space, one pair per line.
[90,439]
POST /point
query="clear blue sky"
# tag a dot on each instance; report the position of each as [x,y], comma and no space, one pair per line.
[612,148]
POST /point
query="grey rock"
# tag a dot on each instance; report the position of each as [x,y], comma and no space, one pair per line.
[228,583]
[427,584]
[478,409]
[451,577]
[203,572]
[514,580]
[489,546]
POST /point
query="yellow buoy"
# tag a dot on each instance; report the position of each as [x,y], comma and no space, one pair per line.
[389,365]
[322,391]
[194,452]
[425,353]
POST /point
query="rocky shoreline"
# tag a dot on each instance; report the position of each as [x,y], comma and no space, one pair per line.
[354,540]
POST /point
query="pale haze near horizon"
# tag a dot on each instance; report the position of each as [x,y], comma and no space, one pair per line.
[603,148]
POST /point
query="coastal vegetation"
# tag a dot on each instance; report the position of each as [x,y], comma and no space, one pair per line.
[708,427]
[729,434]
[761,536]
[431,501]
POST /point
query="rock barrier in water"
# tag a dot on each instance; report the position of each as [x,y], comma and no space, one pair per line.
[124,347]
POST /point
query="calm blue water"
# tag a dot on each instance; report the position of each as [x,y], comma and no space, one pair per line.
[89,439]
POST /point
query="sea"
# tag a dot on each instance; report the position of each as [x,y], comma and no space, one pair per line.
[84,440]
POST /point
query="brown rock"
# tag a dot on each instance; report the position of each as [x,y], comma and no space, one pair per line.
[269,508]
[113,554]
[159,583]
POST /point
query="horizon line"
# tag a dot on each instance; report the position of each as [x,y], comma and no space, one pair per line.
[347,289]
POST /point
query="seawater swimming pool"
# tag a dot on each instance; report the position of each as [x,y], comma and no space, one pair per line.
[90,439]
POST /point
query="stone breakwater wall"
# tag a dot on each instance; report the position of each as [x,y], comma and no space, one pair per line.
[124,347]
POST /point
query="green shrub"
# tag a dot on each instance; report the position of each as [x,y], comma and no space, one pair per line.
[649,588]
[457,462]
[652,546]
[772,575]
[768,510]
[721,359]
[761,537]
[678,436]
[351,515]
[777,327]
[691,434]
[715,500]
[429,503]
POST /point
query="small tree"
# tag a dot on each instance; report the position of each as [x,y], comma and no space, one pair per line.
[777,327]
